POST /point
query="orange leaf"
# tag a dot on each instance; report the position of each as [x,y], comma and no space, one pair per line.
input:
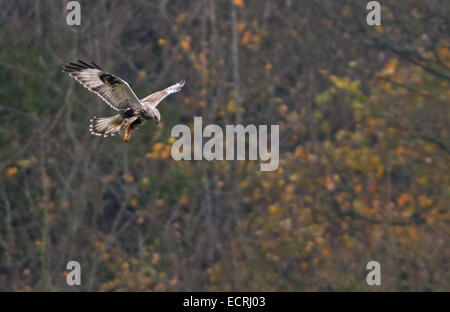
[404,198]
[11,171]
[239,3]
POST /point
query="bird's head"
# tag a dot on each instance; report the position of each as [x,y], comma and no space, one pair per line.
[156,115]
[151,112]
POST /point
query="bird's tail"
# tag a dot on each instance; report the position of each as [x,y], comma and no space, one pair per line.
[105,126]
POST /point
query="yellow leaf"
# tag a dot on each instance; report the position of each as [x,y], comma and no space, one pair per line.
[358,205]
[407,213]
[158,147]
[424,201]
[246,37]
[375,160]
[241,26]
[390,67]
[346,11]
[162,41]
[142,74]
[186,43]
[181,18]
[380,171]
[24,163]
[128,177]
[422,180]
[273,209]
[231,106]
[379,29]
[338,82]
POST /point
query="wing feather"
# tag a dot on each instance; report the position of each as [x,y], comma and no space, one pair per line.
[155,98]
[111,89]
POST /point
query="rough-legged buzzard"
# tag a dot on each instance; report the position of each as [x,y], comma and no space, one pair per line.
[117,94]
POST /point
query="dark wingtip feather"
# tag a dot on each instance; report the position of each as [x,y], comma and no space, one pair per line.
[85,64]
[73,67]
[70,68]
[76,65]
[95,65]
[67,68]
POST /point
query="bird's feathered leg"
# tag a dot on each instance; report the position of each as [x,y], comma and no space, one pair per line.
[127,134]
[128,126]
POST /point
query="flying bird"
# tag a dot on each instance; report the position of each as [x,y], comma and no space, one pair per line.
[117,93]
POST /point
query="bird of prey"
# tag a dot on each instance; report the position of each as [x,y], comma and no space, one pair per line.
[117,94]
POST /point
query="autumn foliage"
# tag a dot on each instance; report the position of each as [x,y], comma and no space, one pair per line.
[364,147]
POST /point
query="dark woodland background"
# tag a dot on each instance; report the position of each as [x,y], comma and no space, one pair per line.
[364,147]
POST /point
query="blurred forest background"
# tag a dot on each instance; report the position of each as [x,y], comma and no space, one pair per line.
[364,147]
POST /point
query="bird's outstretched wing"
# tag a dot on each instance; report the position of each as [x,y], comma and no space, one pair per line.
[155,98]
[111,89]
